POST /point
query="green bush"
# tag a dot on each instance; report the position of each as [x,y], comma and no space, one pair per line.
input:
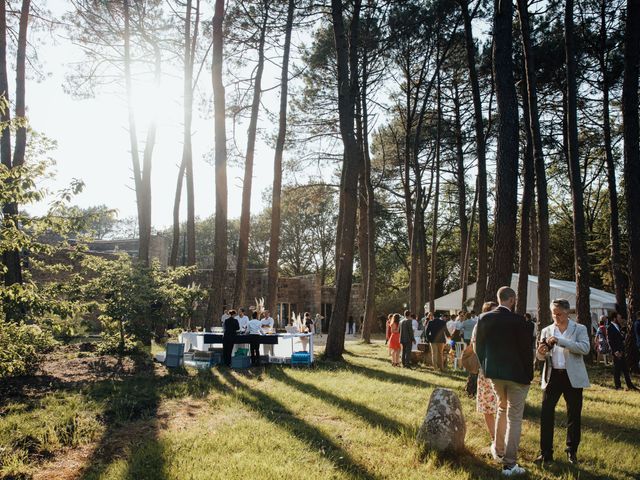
[21,348]
[112,343]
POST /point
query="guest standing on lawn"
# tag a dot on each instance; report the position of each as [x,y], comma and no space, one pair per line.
[436,334]
[394,340]
[616,344]
[407,339]
[562,347]
[503,345]
[255,328]
[486,400]
[231,327]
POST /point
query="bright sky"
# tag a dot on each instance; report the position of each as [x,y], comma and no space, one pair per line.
[93,141]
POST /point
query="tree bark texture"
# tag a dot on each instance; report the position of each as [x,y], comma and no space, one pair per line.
[544,315]
[583,310]
[216,298]
[175,237]
[525,211]
[370,280]
[461,183]
[240,291]
[483,222]
[506,211]
[436,203]
[619,279]
[276,199]
[349,185]
[11,259]
[632,156]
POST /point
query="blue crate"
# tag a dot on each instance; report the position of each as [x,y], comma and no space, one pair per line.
[174,348]
[173,361]
[301,358]
[240,362]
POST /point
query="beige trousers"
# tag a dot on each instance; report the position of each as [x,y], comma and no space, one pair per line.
[511,401]
[437,356]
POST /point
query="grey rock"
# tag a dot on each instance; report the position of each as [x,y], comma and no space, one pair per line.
[443,428]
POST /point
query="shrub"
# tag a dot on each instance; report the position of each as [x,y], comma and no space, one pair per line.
[21,348]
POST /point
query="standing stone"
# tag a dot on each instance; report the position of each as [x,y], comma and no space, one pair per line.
[443,428]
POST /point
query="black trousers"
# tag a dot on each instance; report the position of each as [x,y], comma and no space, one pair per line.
[559,385]
[620,366]
[406,354]
[255,353]
[227,348]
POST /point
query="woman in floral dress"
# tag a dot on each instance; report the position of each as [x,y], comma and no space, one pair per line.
[486,400]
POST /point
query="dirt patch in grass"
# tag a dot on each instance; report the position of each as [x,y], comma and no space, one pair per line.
[67,368]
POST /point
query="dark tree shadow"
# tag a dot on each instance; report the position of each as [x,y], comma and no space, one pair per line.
[131,417]
[282,417]
[372,417]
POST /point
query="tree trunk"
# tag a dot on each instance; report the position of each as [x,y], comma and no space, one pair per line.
[11,259]
[175,237]
[370,281]
[525,212]
[436,202]
[533,234]
[579,231]
[544,314]
[274,238]
[506,211]
[619,279]
[460,180]
[351,166]
[187,154]
[466,266]
[632,152]
[240,291]
[219,277]
[143,247]
[483,222]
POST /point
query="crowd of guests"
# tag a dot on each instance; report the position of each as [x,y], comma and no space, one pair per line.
[500,348]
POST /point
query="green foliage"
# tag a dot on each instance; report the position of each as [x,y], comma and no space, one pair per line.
[21,348]
[135,302]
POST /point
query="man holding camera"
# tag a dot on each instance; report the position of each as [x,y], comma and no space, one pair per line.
[562,347]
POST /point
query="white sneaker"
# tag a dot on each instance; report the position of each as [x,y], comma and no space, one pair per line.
[515,470]
[494,453]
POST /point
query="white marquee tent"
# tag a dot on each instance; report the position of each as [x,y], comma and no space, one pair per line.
[601,301]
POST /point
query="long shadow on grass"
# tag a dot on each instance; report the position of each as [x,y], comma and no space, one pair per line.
[372,417]
[612,432]
[282,417]
[374,373]
[132,423]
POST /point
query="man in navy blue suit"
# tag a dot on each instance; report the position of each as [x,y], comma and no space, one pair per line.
[616,343]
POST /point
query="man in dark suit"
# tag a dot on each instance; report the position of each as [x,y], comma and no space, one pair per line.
[503,345]
[406,340]
[436,336]
[231,327]
[616,343]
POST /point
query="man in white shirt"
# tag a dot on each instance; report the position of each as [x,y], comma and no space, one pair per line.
[562,346]
[267,321]
[243,320]
[224,316]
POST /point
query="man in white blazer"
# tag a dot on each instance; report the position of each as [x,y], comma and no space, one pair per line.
[562,347]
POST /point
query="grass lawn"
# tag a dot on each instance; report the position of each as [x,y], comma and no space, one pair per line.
[356,419]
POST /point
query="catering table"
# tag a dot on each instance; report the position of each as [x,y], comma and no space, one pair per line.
[280,346]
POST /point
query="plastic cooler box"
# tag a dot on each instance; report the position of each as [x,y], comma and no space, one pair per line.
[301,358]
[240,362]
